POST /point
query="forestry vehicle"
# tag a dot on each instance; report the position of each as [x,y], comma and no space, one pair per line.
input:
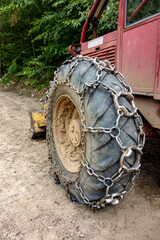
[94,131]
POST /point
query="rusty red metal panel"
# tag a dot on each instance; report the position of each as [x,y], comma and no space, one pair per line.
[139,56]
[105,39]
[150,109]
[121,17]
[103,52]
[157,80]
[103,47]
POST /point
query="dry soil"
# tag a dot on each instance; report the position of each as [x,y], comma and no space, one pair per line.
[33,207]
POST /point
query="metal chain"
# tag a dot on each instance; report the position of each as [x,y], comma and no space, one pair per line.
[114,132]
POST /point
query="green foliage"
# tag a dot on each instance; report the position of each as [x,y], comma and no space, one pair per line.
[109,19]
[35,35]
[150,8]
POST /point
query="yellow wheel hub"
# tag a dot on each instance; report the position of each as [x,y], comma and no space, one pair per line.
[67,133]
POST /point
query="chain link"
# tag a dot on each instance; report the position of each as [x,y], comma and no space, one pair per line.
[114,132]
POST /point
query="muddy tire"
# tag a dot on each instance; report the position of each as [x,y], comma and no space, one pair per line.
[99,169]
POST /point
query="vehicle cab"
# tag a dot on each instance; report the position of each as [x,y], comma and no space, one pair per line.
[134,48]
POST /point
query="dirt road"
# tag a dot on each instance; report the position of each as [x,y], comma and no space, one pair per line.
[32,207]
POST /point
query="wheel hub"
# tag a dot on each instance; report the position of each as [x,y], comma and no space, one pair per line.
[67,133]
[75,132]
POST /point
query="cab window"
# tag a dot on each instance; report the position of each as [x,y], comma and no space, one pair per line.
[138,10]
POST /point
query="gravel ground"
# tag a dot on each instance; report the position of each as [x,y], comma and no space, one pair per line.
[32,207]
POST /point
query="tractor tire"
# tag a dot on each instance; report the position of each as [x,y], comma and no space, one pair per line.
[95,138]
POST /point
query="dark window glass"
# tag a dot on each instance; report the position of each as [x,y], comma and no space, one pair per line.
[140,9]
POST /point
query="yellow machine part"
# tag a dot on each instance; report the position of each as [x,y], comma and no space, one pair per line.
[38,123]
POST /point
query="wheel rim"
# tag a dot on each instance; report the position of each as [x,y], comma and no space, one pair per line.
[67,133]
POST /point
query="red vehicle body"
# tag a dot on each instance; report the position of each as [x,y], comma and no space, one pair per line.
[135,51]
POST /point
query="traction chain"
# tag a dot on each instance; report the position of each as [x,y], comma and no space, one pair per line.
[114,132]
